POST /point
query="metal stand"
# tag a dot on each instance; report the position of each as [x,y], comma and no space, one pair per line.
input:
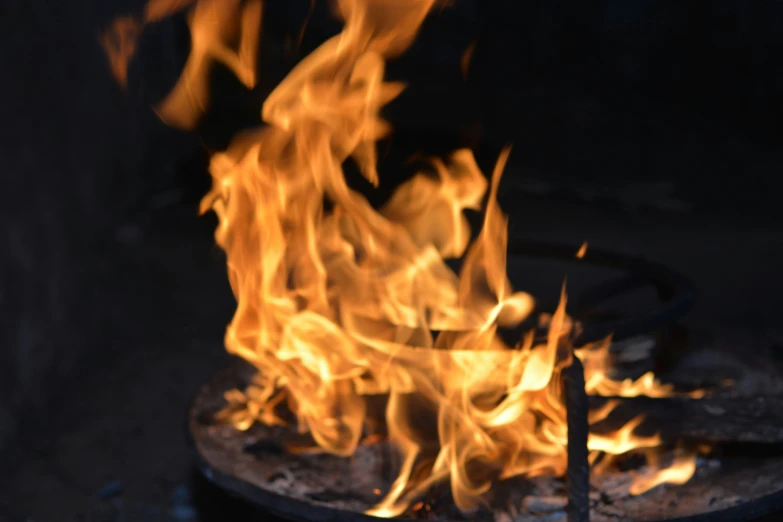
[578,472]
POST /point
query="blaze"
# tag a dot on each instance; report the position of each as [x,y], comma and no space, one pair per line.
[340,303]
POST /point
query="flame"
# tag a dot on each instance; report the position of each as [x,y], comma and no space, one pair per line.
[227,31]
[339,301]
[119,40]
[679,471]
[466,58]
[580,254]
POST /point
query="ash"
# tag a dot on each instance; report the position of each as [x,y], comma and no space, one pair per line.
[353,485]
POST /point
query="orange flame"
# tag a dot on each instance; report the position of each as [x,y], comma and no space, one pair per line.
[119,40]
[337,304]
[679,472]
[465,59]
[226,31]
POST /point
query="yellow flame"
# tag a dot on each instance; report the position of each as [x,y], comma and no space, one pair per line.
[582,251]
[339,303]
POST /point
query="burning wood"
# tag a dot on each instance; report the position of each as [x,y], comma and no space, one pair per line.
[338,303]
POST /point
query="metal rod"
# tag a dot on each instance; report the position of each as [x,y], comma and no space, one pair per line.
[578,472]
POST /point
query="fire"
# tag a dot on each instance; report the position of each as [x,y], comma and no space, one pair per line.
[339,302]
[215,25]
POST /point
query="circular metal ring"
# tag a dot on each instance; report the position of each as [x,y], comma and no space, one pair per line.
[676,292]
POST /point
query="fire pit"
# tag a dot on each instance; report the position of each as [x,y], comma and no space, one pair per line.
[392,370]
[741,478]
[742,484]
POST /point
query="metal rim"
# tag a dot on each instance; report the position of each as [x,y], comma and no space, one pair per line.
[676,292]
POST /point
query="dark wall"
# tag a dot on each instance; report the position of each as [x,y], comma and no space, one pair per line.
[720,57]
[78,157]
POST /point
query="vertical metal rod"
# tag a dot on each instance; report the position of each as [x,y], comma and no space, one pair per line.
[578,473]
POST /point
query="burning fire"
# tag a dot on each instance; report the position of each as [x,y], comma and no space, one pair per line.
[339,302]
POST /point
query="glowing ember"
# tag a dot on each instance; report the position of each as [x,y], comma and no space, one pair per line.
[339,303]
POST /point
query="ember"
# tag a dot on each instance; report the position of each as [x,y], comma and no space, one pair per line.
[356,326]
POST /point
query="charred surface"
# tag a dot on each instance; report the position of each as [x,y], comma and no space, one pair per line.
[711,419]
[325,488]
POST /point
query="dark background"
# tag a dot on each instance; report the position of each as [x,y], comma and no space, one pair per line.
[651,127]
